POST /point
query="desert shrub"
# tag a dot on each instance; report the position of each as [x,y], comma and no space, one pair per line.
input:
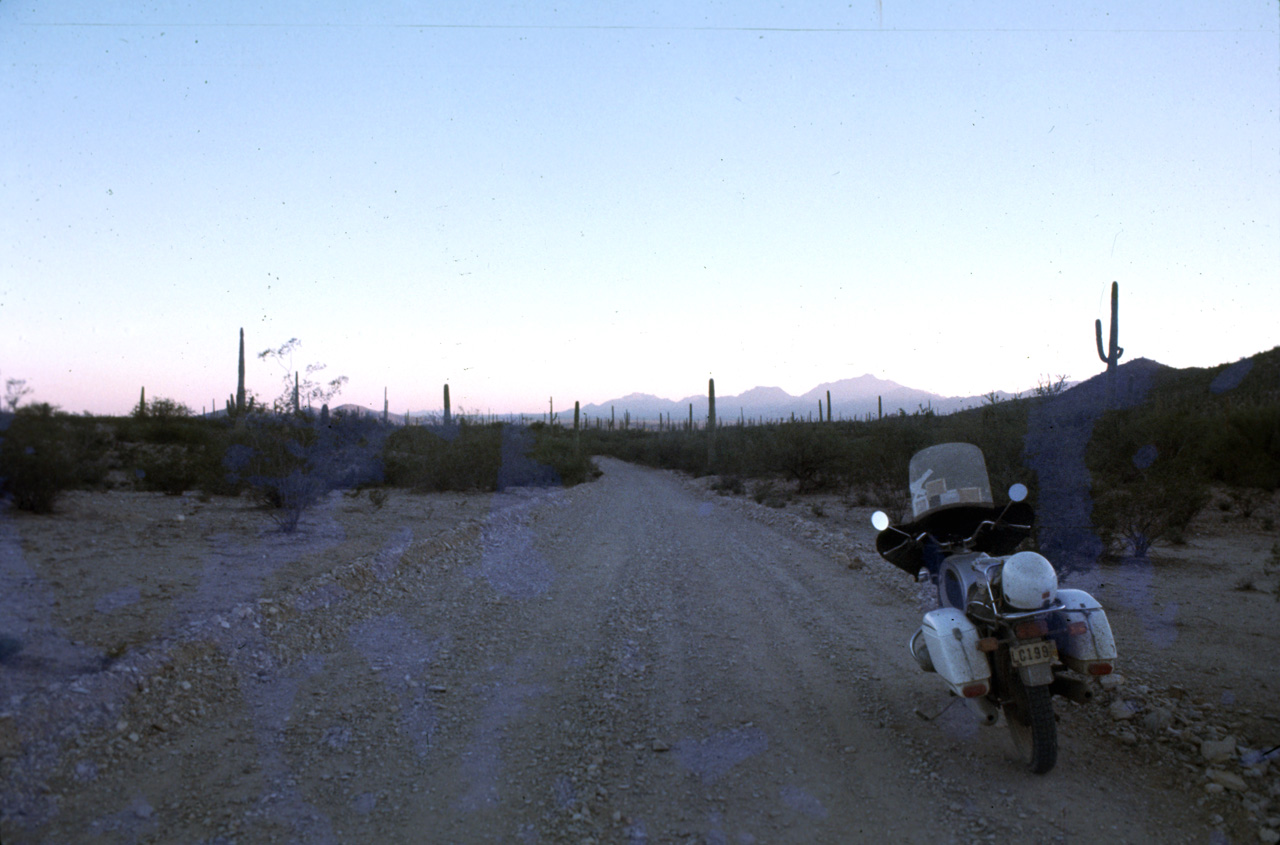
[175,469]
[469,456]
[38,457]
[1220,431]
[459,457]
[288,496]
[556,450]
[1243,447]
[173,454]
[1139,513]
[727,485]
[813,455]
[346,451]
[165,408]
[291,462]
[770,494]
[169,428]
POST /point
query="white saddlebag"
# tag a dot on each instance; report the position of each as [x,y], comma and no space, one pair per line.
[952,641]
[1096,644]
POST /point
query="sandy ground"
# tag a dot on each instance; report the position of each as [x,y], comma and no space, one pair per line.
[637,659]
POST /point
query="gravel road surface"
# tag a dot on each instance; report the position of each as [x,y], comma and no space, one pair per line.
[631,660]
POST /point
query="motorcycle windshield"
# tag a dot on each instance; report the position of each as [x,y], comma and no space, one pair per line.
[946,476]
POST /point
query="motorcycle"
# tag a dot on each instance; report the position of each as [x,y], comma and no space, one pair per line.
[1005,638]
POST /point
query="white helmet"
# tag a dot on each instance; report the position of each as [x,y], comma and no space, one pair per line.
[1028,581]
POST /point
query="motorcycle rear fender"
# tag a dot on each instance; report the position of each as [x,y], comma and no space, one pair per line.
[952,641]
[1097,643]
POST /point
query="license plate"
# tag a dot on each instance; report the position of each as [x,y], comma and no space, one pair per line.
[1033,654]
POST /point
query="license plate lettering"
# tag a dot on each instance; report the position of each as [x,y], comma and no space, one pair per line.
[1032,654]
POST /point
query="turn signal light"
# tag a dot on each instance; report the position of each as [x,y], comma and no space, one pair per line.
[988,644]
[975,690]
[1099,668]
[1031,629]
[1077,629]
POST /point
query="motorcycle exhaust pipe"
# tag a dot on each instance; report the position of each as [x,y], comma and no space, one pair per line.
[1081,692]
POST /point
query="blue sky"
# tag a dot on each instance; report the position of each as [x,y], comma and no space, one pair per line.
[584,200]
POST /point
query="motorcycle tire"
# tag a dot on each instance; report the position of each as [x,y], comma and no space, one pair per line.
[1033,727]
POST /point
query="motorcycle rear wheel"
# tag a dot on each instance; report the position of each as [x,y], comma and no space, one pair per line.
[1033,727]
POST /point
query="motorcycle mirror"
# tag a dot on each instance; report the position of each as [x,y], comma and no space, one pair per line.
[879,520]
[1017,492]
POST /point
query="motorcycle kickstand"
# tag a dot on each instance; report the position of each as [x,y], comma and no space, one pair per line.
[925,716]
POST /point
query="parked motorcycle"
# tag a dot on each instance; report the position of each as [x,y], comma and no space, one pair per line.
[1005,638]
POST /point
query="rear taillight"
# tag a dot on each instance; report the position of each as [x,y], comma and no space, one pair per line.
[1031,629]
[1099,668]
[1077,629]
[988,644]
[975,690]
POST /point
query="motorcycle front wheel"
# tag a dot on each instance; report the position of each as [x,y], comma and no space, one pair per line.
[1032,725]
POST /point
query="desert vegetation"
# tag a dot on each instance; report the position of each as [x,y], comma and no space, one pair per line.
[1156,441]
[285,461]
[1153,453]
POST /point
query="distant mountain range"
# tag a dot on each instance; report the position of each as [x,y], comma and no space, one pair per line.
[852,398]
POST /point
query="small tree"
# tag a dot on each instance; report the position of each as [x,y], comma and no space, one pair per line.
[1049,386]
[164,408]
[295,389]
[15,389]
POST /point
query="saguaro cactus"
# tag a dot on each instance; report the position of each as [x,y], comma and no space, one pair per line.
[711,421]
[297,408]
[240,379]
[448,415]
[142,402]
[1113,352]
[828,406]
[575,427]
[386,407]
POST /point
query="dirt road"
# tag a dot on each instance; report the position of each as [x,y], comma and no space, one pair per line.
[626,661]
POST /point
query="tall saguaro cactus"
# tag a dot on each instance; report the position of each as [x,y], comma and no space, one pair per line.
[386,407]
[711,421]
[240,379]
[828,406]
[448,415]
[576,409]
[1113,352]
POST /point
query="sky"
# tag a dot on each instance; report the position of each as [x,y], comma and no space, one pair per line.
[578,200]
